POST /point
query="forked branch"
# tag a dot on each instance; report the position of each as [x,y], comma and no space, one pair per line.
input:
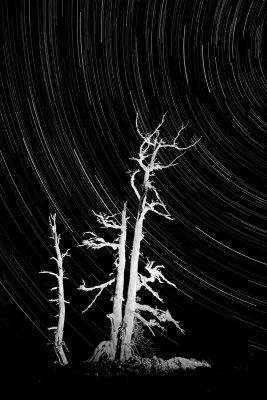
[148,160]
[97,287]
[153,143]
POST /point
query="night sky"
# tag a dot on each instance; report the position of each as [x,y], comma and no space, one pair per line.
[73,75]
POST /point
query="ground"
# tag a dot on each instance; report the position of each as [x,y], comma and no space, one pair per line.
[139,378]
[153,378]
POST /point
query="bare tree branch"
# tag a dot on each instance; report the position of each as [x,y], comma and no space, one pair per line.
[100,287]
[151,207]
[143,283]
[66,254]
[175,146]
[161,315]
[52,223]
[147,136]
[155,275]
[147,160]
[52,328]
[159,166]
[107,221]
[145,322]
[152,144]
[50,273]
[96,242]
[133,183]
[150,323]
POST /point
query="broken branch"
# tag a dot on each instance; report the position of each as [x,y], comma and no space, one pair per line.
[50,273]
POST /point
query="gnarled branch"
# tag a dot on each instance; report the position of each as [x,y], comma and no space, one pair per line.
[147,159]
[155,275]
[96,242]
[108,221]
[161,315]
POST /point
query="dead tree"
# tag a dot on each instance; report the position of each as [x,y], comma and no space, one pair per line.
[59,344]
[109,348]
[149,200]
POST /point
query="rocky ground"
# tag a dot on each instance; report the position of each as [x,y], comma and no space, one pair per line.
[141,366]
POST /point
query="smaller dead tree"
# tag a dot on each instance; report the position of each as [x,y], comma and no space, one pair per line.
[59,344]
[109,348]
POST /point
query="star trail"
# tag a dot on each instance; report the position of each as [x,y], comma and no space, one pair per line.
[73,75]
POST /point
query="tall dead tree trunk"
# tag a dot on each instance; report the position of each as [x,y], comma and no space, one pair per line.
[116,319]
[110,348]
[129,314]
[148,162]
[59,344]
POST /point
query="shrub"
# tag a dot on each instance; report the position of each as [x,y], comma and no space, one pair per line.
[142,346]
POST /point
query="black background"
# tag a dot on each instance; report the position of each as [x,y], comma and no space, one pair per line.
[73,76]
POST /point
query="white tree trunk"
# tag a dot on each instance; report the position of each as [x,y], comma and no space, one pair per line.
[61,318]
[128,320]
[110,349]
[116,319]
[58,342]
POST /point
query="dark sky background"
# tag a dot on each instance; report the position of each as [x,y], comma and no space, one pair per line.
[73,75]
